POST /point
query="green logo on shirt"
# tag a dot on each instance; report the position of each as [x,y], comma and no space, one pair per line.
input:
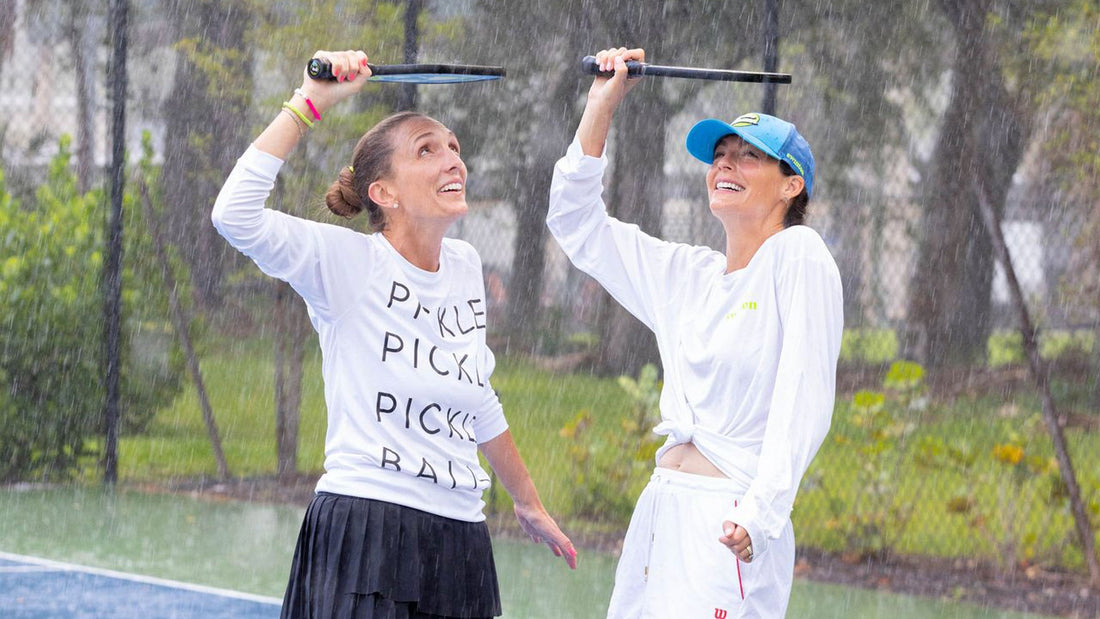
[746,306]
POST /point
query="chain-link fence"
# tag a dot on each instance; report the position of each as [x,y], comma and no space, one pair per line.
[53,84]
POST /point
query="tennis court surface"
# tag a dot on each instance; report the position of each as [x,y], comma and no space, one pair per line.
[34,588]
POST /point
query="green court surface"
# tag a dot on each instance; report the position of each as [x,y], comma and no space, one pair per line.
[247,548]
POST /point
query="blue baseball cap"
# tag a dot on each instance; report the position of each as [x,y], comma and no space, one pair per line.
[776,137]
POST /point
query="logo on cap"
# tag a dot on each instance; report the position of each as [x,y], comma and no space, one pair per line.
[796,164]
[746,120]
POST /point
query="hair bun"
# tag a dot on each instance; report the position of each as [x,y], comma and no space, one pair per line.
[342,198]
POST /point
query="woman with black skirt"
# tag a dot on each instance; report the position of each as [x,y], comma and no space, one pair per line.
[396,528]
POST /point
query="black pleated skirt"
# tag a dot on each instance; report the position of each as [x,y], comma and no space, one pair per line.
[371,559]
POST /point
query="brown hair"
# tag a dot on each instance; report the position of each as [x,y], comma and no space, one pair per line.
[796,212]
[372,160]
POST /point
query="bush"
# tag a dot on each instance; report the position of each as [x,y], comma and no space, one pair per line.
[1025,489]
[868,346]
[1006,347]
[49,347]
[872,519]
[51,354]
[608,472]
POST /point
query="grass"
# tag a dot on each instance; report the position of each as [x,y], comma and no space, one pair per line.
[239,380]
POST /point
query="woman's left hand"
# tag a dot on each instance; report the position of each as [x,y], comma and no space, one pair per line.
[538,524]
[737,539]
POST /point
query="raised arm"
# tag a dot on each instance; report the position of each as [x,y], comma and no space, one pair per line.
[282,135]
[604,98]
[284,246]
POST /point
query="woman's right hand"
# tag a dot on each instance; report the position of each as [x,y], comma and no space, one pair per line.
[604,98]
[608,92]
[351,71]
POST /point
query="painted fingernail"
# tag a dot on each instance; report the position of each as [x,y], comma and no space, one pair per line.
[363,62]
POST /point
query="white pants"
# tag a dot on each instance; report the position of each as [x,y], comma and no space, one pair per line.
[673,566]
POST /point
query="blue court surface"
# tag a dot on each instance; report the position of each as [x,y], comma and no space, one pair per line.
[35,588]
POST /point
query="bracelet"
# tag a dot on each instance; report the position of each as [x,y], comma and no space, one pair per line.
[297,122]
[313,110]
[298,113]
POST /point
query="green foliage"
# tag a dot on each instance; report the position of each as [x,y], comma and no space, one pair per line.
[1006,347]
[868,346]
[879,424]
[51,356]
[603,488]
[51,256]
[1018,471]
[539,403]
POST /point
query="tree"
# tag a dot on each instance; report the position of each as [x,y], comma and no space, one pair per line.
[85,29]
[1066,172]
[206,130]
[984,134]
[514,130]
[865,84]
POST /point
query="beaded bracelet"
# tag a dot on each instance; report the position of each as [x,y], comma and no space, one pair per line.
[298,113]
[297,122]
[313,110]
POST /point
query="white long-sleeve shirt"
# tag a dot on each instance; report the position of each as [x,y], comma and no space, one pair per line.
[749,356]
[405,364]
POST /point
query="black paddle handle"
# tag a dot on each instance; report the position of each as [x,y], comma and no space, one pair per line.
[589,67]
[638,69]
[321,69]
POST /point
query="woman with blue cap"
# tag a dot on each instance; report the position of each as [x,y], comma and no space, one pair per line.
[749,341]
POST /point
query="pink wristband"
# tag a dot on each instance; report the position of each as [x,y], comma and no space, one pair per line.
[312,109]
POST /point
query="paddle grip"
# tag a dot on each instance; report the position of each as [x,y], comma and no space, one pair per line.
[589,67]
[321,69]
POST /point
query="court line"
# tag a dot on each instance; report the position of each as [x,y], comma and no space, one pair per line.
[50,565]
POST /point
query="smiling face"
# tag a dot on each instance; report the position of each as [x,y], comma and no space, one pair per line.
[427,179]
[743,180]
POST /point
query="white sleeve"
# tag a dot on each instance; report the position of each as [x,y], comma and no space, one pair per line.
[638,270]
[283,246]
[490,421]
[811,315]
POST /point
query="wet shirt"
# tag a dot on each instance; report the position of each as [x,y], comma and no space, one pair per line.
[749,357]
[405,365]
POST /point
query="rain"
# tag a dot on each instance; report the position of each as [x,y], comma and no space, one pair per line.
[163,411]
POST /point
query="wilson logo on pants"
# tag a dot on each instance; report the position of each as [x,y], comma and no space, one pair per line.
[719,613]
